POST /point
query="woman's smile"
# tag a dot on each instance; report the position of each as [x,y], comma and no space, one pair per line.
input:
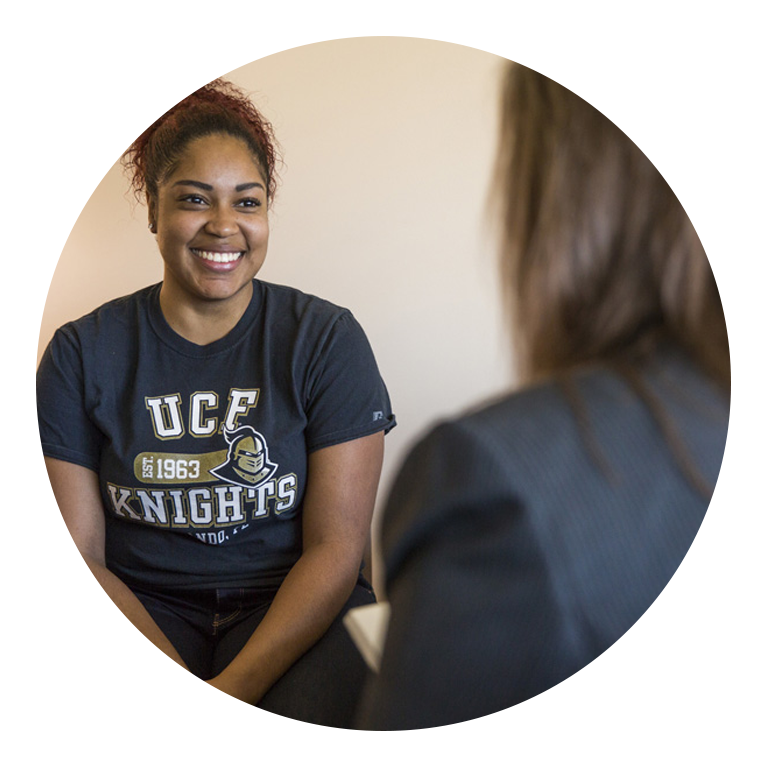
[218,257]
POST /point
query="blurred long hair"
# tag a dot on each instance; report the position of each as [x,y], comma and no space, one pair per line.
[599,259]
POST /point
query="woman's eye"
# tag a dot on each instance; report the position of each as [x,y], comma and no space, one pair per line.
[250,202]
[194,199]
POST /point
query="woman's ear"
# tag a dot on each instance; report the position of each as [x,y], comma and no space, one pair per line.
[152,206]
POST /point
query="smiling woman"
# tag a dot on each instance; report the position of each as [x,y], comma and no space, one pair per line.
[214,442]
[210,216]
[207,171]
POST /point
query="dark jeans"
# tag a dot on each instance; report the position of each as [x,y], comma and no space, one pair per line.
[208,628]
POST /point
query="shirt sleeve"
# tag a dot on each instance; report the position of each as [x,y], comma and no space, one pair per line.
[66,430]
[346,396]
[474,624]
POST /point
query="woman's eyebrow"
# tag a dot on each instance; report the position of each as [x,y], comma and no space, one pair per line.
[249,185]
[209,188]
[198,184]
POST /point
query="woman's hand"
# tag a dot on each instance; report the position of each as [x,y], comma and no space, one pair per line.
[338,507]
[211,706]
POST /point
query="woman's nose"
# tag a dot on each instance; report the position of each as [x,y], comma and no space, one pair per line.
[222,221]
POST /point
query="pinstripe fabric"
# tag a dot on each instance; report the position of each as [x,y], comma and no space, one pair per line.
[514,559]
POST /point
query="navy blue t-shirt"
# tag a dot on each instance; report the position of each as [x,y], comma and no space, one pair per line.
[201,451]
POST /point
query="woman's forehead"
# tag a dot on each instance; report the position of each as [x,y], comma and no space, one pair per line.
[217,156]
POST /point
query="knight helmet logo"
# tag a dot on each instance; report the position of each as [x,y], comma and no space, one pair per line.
[247,462]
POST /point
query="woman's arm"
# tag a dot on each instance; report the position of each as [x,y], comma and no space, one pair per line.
[93,602]
[338,506]
[481,615]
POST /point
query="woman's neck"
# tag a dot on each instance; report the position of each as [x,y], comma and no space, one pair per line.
[200,321]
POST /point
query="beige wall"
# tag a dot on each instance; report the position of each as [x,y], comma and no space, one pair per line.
[388,145]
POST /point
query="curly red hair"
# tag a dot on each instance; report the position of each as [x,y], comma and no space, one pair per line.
[218,107]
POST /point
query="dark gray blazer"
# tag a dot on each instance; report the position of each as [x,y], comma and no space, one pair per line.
[513,558]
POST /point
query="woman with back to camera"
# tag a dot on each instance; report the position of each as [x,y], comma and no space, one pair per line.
[523,539]
[214,442]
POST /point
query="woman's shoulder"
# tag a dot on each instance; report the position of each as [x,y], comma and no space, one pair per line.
[112,326]
[283,297]
[589,444]
[517,420]
[307,317]
[482,446]
[524,436]
[113,314]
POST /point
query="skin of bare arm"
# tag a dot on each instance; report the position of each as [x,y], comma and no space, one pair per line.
[338,507]
[96,605]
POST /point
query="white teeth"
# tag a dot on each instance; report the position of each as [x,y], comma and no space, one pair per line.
[219,258]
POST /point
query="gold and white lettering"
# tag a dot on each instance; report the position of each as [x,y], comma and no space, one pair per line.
[240,402]
[200,507]
[199,425]
[120,505]
[166,415]
[153,506]
[229,507]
